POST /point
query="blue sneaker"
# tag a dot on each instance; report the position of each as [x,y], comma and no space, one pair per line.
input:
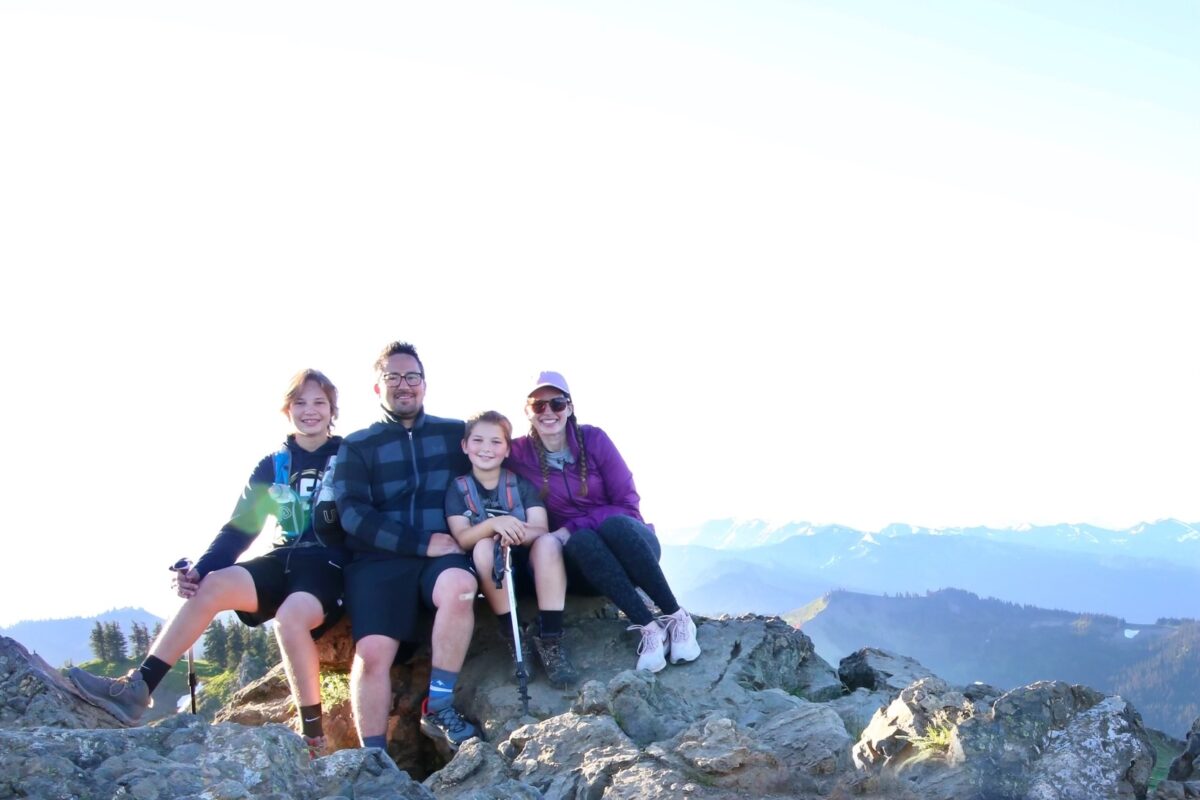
[446,726]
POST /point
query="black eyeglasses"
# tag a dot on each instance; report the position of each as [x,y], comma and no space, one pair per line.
[394,378]
[556,404]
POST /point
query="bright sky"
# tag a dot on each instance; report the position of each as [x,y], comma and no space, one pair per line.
[855,262]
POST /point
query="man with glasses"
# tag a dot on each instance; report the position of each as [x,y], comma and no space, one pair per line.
[390,485]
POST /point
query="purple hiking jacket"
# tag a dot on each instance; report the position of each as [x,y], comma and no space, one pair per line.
[610,483]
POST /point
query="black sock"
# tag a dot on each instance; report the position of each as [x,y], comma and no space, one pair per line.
[310,720]
[505,621]
[153,670]
[550,622]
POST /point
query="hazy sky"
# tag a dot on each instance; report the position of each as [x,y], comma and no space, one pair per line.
[854,262]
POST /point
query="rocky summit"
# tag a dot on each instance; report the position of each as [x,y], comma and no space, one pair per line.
[758,715]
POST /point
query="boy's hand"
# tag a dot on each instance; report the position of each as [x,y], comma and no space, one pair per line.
[510,530]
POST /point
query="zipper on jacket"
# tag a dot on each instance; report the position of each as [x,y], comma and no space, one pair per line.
[412,501]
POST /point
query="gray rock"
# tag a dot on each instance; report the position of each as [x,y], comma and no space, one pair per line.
[185,758]
[477,772]
[646,710]
[571,755]
[880,671]
[1176,790]
[1183,767]
[364,773]
[858,708]
[179,758]
[748,653]
[33,694]
[758,715]
[1046,741]
[1103,752]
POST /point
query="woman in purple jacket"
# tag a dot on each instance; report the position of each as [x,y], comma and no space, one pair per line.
[593,508]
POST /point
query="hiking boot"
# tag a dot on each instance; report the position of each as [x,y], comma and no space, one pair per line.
[126,698]
[684,646]
[553,655]
[446,726]
[526,655]
[651,653]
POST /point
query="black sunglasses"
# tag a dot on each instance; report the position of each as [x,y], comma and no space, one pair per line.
[556,404]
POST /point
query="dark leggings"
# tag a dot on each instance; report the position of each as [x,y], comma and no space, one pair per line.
[615,559]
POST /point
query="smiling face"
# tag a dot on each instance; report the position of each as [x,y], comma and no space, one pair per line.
[548,422]
[401,399]
[310,411]
[486,445]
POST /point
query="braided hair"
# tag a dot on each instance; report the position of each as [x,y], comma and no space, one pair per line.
[572,424]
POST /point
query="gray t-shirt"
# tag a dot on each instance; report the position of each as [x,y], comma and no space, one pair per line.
[456,504]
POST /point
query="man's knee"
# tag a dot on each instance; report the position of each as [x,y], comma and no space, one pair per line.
[455,591]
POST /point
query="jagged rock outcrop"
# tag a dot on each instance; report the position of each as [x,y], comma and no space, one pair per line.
[185,758]
[1183,774]
[1046,741]
[33,694]
[758,715]
[741,654]
[879,670]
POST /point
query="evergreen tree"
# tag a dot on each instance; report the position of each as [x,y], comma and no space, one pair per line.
[154,634]
[116,645]
[256,645]
[141,641]
[236,644]
[216,650]
[274,656]
[98,642]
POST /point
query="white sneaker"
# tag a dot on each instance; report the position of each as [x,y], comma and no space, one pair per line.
[652,655]
[684,646]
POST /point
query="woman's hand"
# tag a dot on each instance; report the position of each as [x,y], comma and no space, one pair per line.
[510,530]
[562,534]
[186,583]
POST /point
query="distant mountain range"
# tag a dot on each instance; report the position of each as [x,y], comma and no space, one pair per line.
[1139,573]
[964,638]
[61,640]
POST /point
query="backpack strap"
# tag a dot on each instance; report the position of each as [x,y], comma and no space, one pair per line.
[470,495]
[509,498]
[512,494]
[283,467]
[287,509]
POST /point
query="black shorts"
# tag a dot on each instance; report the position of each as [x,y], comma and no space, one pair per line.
[384,596]
[286,570]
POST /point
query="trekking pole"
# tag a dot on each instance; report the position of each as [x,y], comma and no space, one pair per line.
[183,566]
[522,675]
